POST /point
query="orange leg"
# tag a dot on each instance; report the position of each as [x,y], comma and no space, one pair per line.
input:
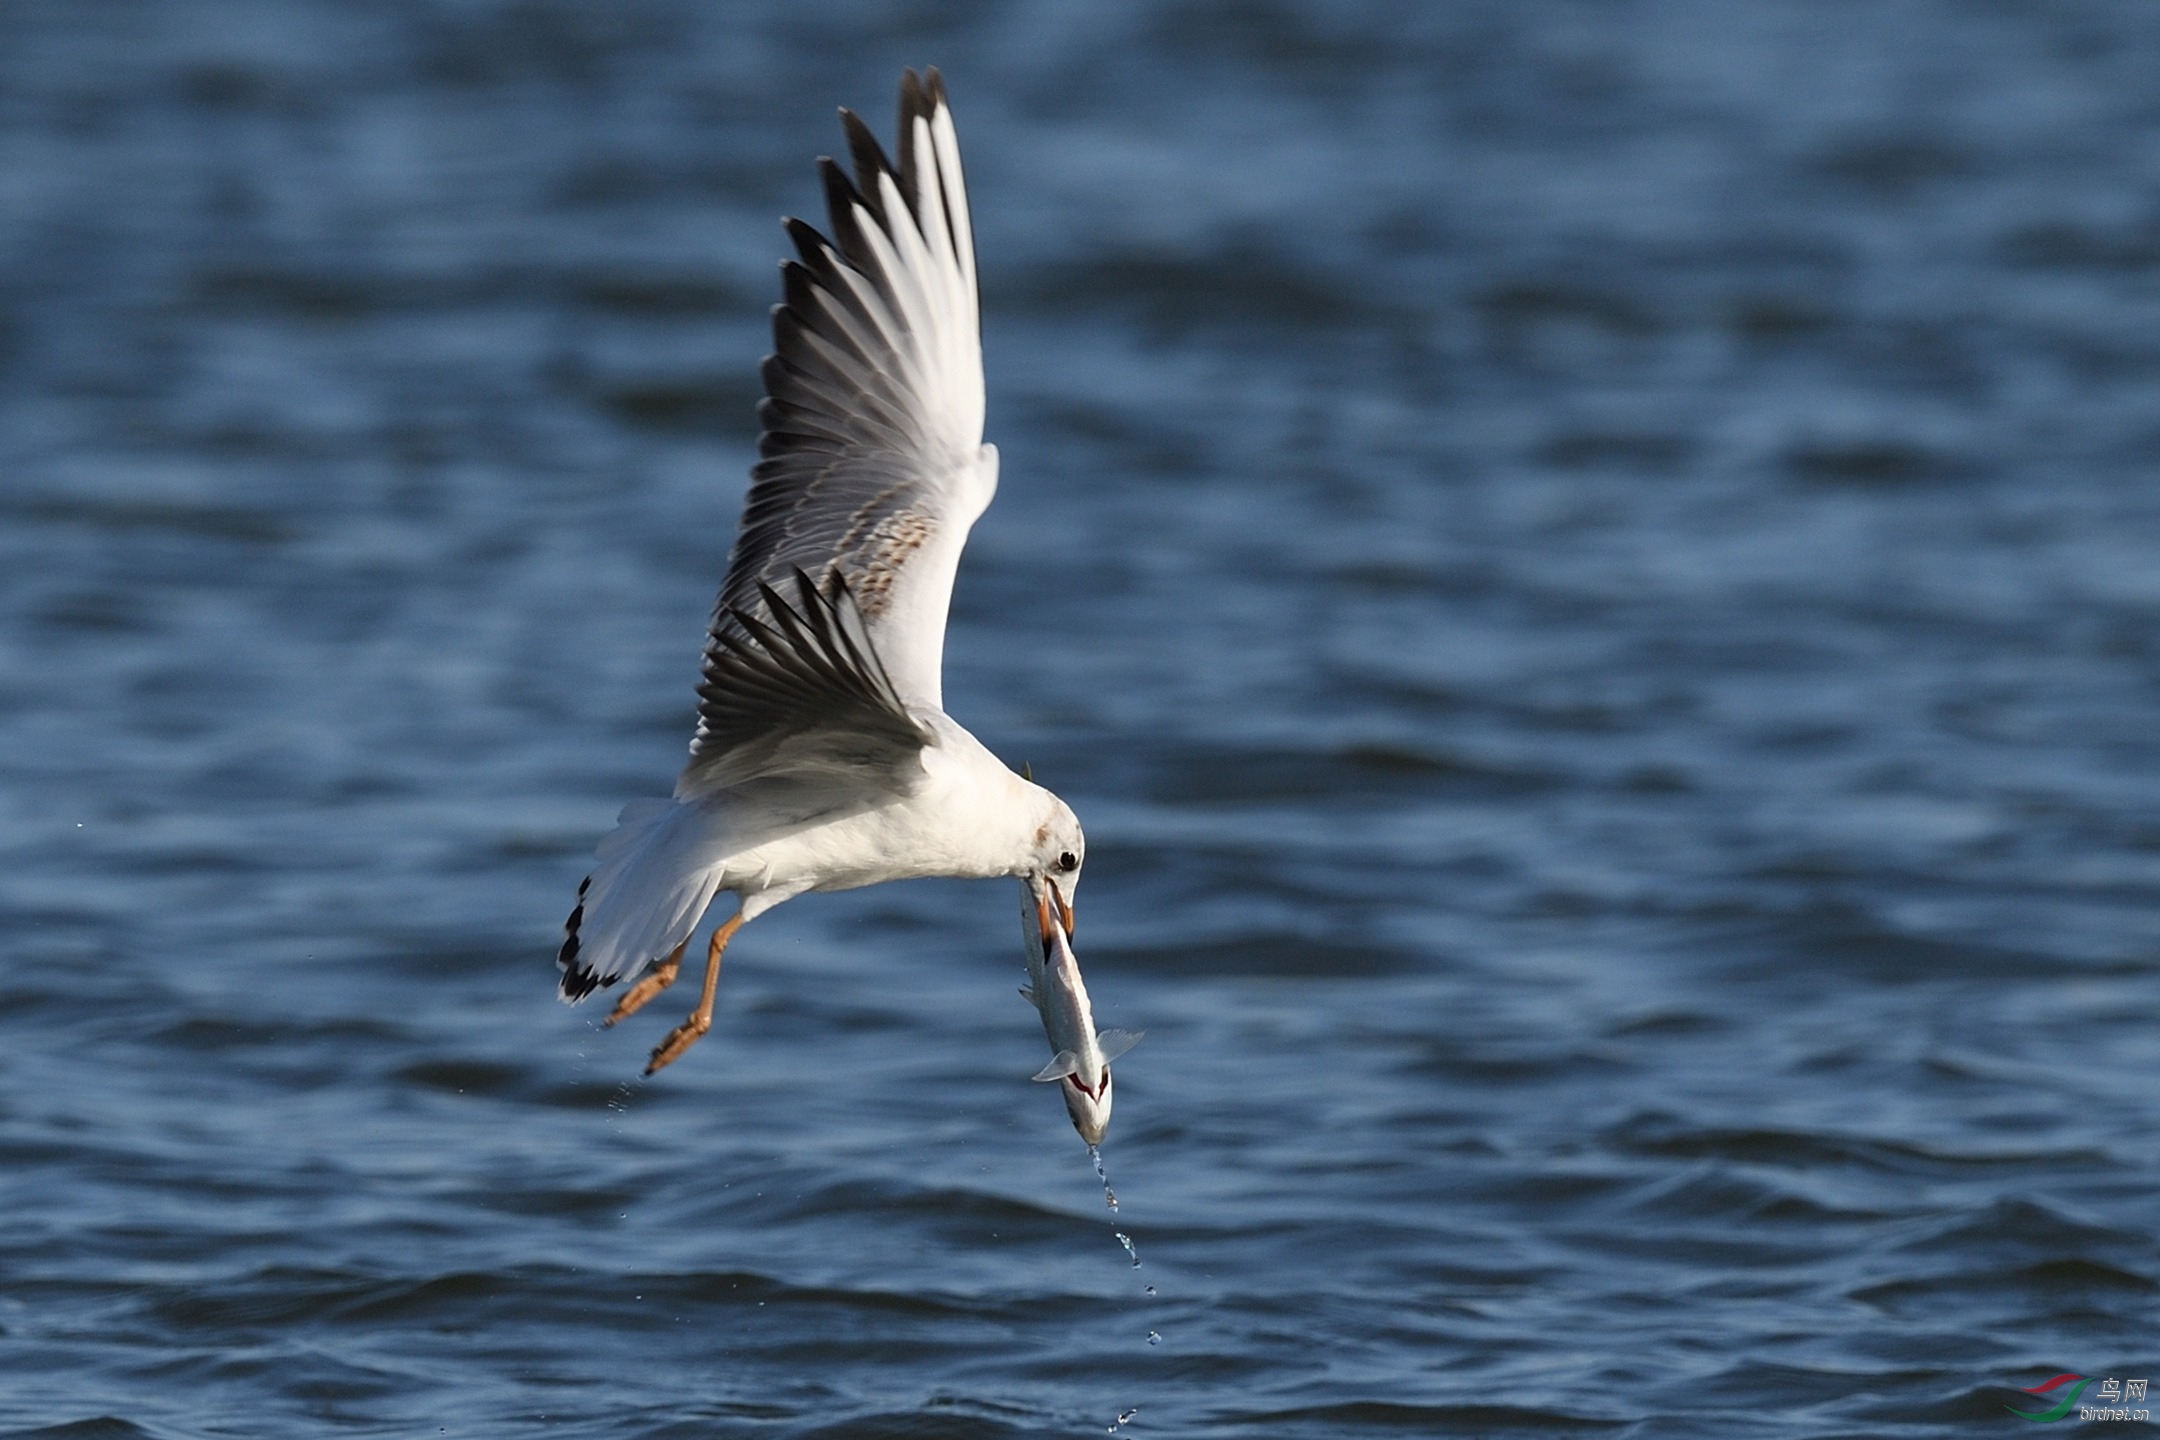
[663,975]
[683,1036]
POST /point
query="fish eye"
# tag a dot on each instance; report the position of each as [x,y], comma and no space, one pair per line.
[1068,861]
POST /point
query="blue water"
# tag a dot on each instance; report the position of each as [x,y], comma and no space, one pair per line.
[1593,572]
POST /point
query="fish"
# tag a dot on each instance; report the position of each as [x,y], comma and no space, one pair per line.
[1080,1068]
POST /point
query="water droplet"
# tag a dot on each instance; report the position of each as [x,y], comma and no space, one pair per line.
[1153,1338]
[1109,1196]
[1126,1241]
[1149,1288]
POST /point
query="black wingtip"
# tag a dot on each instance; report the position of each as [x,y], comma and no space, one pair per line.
[921,97]
[871,166]
[840,202]
[915,104]
[796,290]
[809,244]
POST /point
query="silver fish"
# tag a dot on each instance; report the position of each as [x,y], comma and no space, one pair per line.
[1081,1066]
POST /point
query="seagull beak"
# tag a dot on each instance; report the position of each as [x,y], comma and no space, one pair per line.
[1048,900]
[1065,912]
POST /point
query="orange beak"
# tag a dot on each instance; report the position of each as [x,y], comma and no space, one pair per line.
[1050,895]
[1065,912]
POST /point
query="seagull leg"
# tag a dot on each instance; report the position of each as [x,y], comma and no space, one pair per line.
[683,1036]
[663,975]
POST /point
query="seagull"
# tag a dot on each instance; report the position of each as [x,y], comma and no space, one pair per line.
[823,758]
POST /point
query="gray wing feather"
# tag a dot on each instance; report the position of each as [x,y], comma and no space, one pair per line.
[871,464]
[797,691]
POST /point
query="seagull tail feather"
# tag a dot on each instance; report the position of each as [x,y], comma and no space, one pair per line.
[654,877]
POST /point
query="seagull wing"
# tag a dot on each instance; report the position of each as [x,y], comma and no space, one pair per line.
[797,691]
[872,467]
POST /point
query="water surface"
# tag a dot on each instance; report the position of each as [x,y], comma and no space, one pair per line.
[1589,569]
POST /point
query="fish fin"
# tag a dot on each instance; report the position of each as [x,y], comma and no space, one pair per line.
[1065,1063]
[1116,1042]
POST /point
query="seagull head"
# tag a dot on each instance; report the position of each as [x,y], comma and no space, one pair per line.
[1054,858]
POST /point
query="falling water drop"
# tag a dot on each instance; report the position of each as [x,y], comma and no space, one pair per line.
[1110,1199]
[1109,1196]
[1124,1418]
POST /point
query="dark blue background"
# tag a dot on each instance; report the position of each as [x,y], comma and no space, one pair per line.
[1590,569]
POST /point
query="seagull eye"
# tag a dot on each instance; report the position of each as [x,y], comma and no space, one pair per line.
[1068,861]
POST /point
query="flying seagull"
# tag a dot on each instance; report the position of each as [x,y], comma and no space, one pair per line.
[824,759]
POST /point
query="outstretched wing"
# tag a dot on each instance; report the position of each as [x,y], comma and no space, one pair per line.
[872,465]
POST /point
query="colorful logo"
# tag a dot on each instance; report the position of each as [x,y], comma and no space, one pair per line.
[2063,1408]
[2112,1395]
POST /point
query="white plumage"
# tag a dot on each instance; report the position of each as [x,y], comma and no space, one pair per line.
[823,759]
